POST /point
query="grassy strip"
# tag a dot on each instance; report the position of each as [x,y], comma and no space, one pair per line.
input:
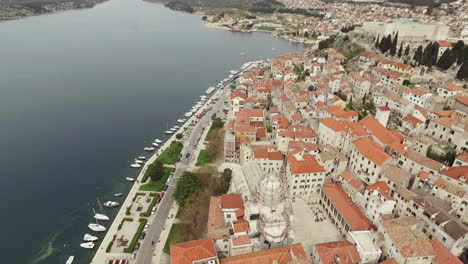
[127,212]
[123,220]
[136,195]
[156,186]
[217,123]
[267,28]
[204,158]
[130,248]
[152,204]
[108,249]
[169,156]
[170,238]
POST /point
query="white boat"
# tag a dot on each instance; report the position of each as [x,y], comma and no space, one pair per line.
[149,149]
[169,132]
[101,217]
[157,140]
[155,144]
[142,158]
[88,245]
[137,161]
[135,165]
[96,227]
[88,237]
[176,127]
[273,49]
[70,260]
[118,194]
[172,129]
[188,114]
[209,90]
[111,204]
[180,120]
[130,179]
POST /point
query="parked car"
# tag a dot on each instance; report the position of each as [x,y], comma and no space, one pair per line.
[146,228]
[165,187]
[137,246]
[142,235]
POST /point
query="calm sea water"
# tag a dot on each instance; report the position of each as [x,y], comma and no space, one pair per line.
[81,93]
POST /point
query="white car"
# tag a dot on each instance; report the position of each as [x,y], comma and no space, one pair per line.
[146,228]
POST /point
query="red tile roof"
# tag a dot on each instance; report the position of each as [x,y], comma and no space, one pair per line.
[231,201]
[216,227]
[189,252]
[457,173]
[416,91]
[344,250]
[452,87]
[443,255]
[263,153]
[306,164]
[444,44]
[281,255]
[240,226]
[353,181]
[378,130]
[382,188]
[347,209]
[389,261]
[241,240]
[371,150]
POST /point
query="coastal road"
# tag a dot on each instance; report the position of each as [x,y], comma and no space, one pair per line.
[145,253]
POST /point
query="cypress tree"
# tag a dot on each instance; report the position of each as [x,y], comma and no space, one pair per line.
[446,60]
[462,74]
[400,51]
[418,55]
[426,57]
[458,52]
[377,42]
[434,53]
[393,45]
[407,50]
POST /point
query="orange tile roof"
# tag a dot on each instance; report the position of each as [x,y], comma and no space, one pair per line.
[409,243]
[389,261]
[263,153]
[347,209]
[189,252]
[423,175]
[241,240]
[239,93]
[445,121]
[463,99]
[246,129]
[216,227]
[382,188]
[241,226]
[444,44]
[308,164]
[371,150]
[333,124]
[393,75]
[281,255]
[378,130]
[443,255]
[231,201]
[294,145]
[353,181]
[416,91]
[440,182]
[344,250]
[412,120]
[452,87]
[463,157]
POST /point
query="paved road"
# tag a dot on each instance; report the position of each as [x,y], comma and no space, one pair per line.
[146,251]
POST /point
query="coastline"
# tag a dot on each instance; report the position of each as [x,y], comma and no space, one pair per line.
[8,13]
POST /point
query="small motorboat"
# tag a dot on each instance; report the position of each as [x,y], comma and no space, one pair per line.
[111,204]
[96,227]
[148,149]
[88,245]
[155,144]
[118,194]
[130,179]
[88,237]
[181,120]
[137,161]
[135,165]
[169,132]
[173,129]
[176,127]
[70,260]
[188,114]
[142,158]
[157,140]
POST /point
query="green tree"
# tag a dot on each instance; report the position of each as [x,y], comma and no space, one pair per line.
[406,82]
[156,170]
[462,73]
[225,181]
[407,50]
[377,42]
[393,45]
[418,55]
[179,136]
[446,60]
[458,52]
[187,185]
[400,50]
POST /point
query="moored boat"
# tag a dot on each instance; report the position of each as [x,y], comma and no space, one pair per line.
[111,204]
[88,245]
[155,144]
[96,227]
[142,158]
[70,260]
[139,161]
[157,140]
[169,132]
[148,149]
[135,165]
[88,237]
[181,120]
[101,217]
[118,194]
[130,179]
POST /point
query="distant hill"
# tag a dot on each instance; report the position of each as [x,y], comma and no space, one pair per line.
[430,3]
[11,9]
